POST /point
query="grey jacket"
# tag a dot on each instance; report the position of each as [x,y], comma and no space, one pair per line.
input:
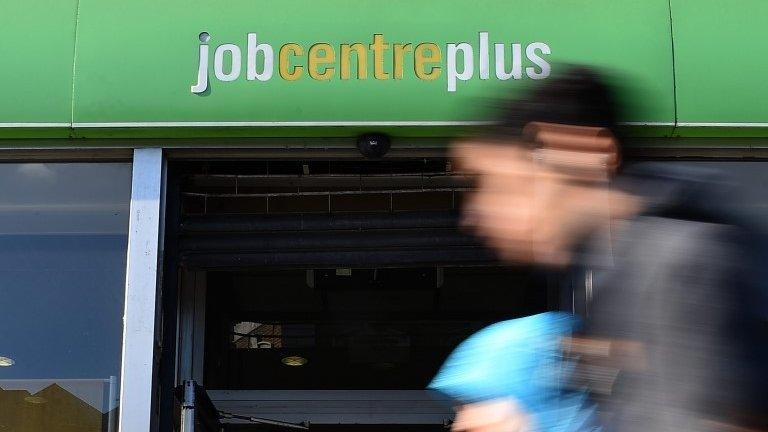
[685,280]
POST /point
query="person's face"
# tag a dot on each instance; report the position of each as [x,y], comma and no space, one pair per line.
[532,205]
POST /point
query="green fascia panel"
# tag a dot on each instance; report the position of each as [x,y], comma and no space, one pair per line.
[270,132]
[721,65]
[647,131]
[18,132]
[721,131]
[36,48]
[137,61]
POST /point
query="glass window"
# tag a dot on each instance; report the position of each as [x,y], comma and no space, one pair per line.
[63,239]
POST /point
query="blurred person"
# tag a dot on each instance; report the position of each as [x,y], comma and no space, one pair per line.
[511,376]
[674,280]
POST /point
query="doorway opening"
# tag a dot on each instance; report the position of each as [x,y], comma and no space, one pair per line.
[327,293]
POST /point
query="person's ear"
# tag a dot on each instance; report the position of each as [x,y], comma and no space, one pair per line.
[580,139]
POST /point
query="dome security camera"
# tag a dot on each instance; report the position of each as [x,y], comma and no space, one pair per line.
[373,146]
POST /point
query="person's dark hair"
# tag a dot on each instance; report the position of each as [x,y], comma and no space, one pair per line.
[579,96]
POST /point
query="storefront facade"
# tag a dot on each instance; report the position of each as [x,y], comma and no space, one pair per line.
[148,146]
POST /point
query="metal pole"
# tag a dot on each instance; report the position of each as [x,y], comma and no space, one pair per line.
[112,403]
[141,288]
[188,407]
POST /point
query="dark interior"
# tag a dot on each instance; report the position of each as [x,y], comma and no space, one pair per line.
[340,274]
[356,328]
[325,214]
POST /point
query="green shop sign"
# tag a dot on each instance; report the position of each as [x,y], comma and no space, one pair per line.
[341,63]
[248,68]
[321,61]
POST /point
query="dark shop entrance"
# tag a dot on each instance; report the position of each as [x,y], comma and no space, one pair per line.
[322,294]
